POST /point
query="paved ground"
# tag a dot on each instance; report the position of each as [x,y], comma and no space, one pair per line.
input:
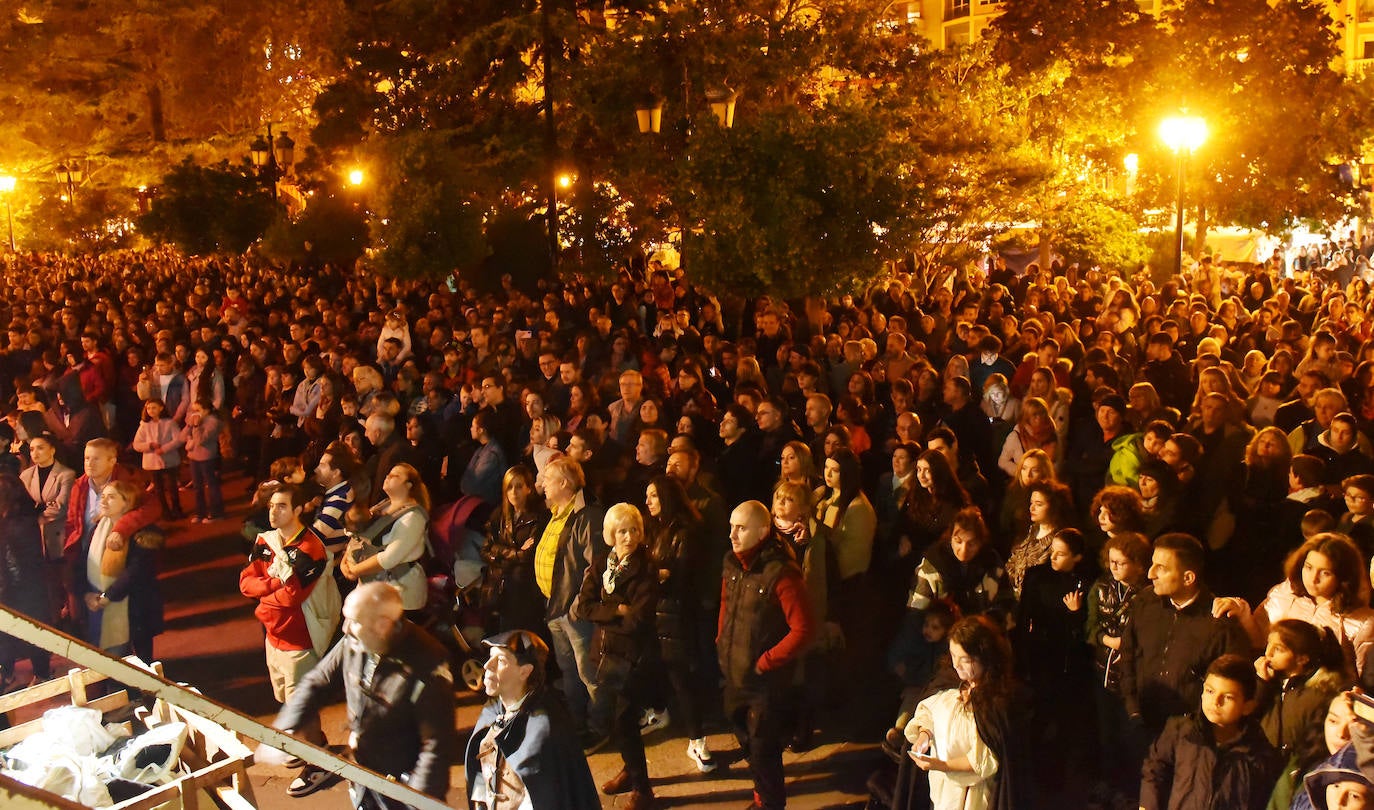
[214,643]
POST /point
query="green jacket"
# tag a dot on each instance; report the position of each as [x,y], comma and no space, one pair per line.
[1124,468]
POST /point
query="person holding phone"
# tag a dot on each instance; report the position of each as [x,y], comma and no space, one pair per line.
[966,738]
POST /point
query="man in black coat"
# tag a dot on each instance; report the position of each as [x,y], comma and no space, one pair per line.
[1172,636]
[399,691]
[390,449]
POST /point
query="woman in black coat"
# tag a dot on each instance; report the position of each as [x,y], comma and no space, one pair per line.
[21,586]
[620,601]
[672,529]
[509,593]
[1051,646]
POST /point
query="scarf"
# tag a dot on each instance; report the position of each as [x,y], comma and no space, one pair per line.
[796,533]
[615,568]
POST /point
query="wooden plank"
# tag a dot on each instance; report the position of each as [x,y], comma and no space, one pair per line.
[45,690]
[15,795]
[83,654]
[232,799]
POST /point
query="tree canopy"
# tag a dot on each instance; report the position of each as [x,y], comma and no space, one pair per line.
[854,141]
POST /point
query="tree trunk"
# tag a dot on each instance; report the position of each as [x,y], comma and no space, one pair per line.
[1046,249]
[155,114]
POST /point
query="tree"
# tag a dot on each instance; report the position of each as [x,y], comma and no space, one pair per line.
[96,220]
[1281,113]
[209,209]
[332,230]
[424,222]
[131,88]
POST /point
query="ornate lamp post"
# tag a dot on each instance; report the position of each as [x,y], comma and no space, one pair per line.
[1183,134]
[273,157]
[70,176]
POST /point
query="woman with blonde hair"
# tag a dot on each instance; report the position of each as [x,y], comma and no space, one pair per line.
[117,583]
[748,372]
[391,546]
[1216,380]
[620,600]
[1035,430]
[1035,465]
[797,465]
[509,591]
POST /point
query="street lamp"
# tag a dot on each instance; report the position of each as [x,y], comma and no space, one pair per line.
[273,157]
[355,177]
[723,106]
[70,177]
[649,115]
[7,184]
[1183,134]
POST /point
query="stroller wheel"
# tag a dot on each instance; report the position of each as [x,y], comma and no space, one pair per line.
[472,674]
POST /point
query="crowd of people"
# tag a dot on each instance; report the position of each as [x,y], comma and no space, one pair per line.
[974,496]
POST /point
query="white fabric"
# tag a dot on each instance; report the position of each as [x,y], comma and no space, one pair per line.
[322,608]
[405,543]
[114,618]
[954,735]
[1354,629]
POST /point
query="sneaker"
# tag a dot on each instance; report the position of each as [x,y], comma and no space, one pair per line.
[654,719]
[310,780]
[699,753]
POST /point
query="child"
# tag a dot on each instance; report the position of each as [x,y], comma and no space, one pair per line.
[1315,522]
[1127,557]
[159,440]
[201,437]
[1265,403]
[1219,758]
[914,658]
[917,659]
[1329,749]
[1300,672]
[1358,521]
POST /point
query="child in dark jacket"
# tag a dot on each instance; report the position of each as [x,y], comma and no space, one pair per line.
[1300,672]
[620,601]
[1218,759]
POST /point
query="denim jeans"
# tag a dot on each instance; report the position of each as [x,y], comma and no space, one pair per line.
[205,478]
[572,647]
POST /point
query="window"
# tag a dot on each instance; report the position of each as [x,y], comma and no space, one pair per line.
[1367,49]
[956,8]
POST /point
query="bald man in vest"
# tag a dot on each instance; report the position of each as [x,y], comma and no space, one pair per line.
[765,626]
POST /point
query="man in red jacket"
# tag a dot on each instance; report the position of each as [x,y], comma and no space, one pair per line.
[83,513]
[765,625]
[287,564]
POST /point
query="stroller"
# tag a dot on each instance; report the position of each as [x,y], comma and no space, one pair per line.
[454,613]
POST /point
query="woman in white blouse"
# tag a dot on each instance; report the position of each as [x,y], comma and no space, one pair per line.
[1327,585]
[391,546]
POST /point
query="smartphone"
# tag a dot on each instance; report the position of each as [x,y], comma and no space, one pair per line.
[1363,705]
